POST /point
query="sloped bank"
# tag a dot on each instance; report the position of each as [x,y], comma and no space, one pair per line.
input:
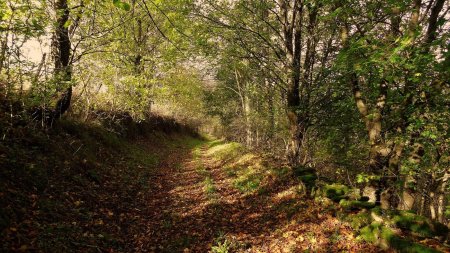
[79,187]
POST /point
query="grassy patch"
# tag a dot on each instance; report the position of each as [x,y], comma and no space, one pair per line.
[209,186]
[248,182]
[226,244]
[282,172]
[225,152]
[140,156]
[230,171]
[214,143]
[208,182]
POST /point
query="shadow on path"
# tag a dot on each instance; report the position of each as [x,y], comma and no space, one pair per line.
[180,217]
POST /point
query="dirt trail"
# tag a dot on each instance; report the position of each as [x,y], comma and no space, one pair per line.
[176,196]
[181,216]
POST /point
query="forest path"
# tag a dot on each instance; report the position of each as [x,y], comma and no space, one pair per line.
[193,206]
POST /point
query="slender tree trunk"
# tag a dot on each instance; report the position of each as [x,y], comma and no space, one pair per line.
[271,108]
[3,48]
[61,52]
[442,194]
[4,43]
[248,124]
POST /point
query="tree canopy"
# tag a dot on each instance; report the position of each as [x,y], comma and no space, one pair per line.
[357,91]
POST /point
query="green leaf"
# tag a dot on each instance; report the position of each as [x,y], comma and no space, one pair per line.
[68,23]
[122,5]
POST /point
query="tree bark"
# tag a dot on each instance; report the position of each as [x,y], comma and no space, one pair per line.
[61,51]
[292,16]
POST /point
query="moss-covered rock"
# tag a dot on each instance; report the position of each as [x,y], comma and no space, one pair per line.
[355,204]
[306,175]
[302,170]
[385,237]
[419,225]
[359,220]
[371,233]
[336,192]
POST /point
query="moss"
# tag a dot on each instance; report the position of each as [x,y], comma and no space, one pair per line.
[308,178]
[336,192]
[371,233]
[359,220]
[383,236]
[404,245]
[377,210]
[419,225]
[440,229]
[447,212]
[302,170]
[355,204]
[364,198]
[306,175]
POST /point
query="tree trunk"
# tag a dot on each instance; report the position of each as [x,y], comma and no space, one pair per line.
[271,108]
[293,47]
[248,126]
[61,51]
[441,196]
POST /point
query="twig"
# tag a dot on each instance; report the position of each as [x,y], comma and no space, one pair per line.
[78,149]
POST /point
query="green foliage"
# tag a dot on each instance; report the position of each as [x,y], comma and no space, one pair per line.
[373,104]
[221,247]
[122,5]
[365,178]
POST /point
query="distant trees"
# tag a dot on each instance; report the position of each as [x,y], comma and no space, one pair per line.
[290,48]
[347,80]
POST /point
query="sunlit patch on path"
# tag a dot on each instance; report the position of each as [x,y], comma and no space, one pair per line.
[197,204]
